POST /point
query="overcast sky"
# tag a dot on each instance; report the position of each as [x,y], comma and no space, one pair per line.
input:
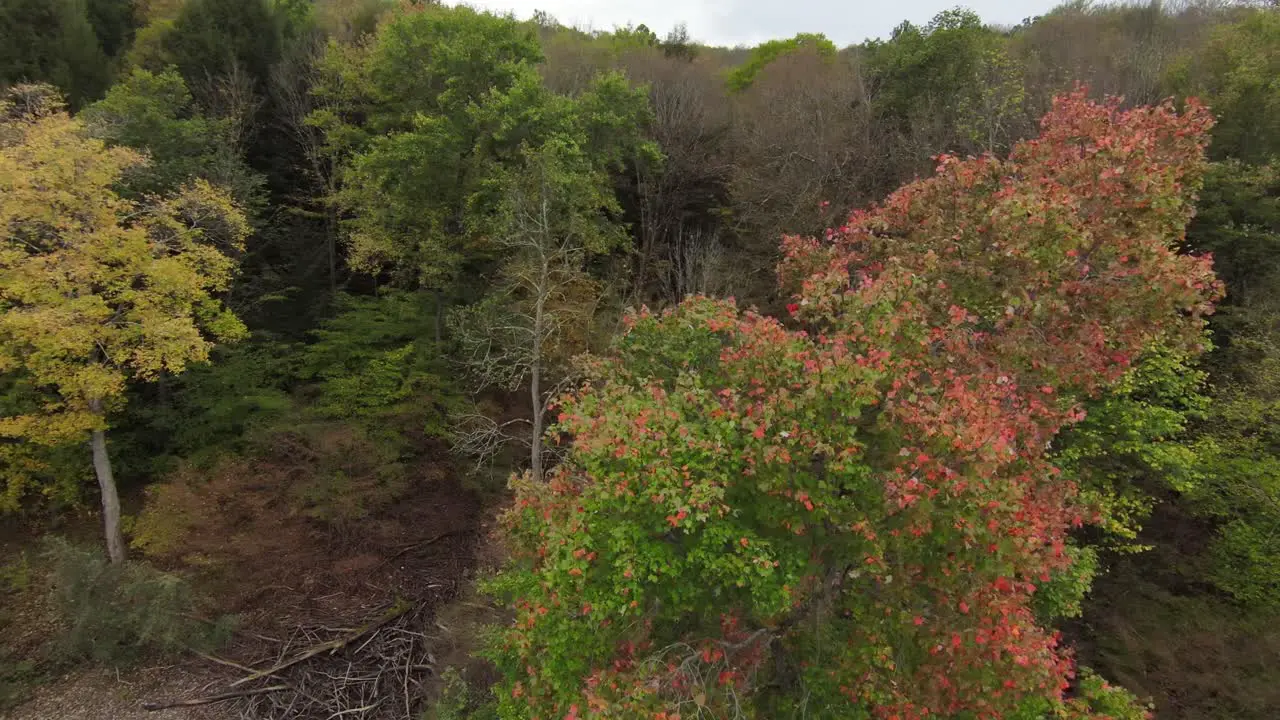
[749,22]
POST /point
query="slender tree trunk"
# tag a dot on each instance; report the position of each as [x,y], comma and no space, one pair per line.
[116,549]
[331,242]
[535,392]
[330,185]
[539,320]
[439,296]
[646,233]
[535,375]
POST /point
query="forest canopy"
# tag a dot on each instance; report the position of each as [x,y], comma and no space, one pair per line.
[931,376]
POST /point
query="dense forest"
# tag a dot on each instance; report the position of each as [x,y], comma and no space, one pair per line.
[387,359]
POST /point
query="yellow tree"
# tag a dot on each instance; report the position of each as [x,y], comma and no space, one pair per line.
[97,290]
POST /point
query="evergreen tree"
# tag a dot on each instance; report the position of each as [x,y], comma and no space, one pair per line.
[52,41]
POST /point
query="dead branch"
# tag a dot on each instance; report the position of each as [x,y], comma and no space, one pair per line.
[332,646]
[210,699]
[416,545]
[221,661]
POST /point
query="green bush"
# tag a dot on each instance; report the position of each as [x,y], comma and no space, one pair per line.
[17,673]
[114,614]
[374,361]
[1099,697]
[211,410]
[460,701]
[16,679]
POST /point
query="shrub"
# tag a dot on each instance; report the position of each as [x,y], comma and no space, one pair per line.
[332,472]
[115,612]
[18,674]
[373,361]
[459,701]
[353,473]
[16,679]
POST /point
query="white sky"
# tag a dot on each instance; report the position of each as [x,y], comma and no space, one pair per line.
[749,22]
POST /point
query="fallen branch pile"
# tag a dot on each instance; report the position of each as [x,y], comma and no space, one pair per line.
[373,672]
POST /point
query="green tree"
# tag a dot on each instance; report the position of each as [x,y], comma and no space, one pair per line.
[114,22]
[213,39]
[1136,445]
[1235,72]
[400,118]
[154,113]
[556,211]
[741,77]
[52,41]
[678,44]
[428,60]
[1239,222]
[993,114]
[948,86]
[448,95]
[629,36]
[98,290]
[461,145]
[373,361]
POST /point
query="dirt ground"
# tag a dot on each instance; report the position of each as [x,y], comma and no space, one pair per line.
[100,694]
[292,581]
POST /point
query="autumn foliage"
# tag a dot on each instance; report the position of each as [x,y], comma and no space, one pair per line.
[850,513]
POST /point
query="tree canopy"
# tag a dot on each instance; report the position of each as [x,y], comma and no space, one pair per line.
[929,376]
[855,515]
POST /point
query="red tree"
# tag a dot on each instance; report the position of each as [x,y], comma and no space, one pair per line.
[856,518]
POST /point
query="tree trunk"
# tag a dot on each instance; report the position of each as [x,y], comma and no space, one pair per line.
[331,243]
[535,378]
[535,391]
[535,364]
[439,297]
[116,549]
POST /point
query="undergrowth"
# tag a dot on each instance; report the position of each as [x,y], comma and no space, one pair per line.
[114,614]
[18,675]
[460,700]
[1199,656]
[17,679]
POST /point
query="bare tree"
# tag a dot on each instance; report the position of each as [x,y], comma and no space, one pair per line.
[805,150]
[1117,49]
[678,199]
[232,96]
[571,63]
[526,330]
[695,265]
